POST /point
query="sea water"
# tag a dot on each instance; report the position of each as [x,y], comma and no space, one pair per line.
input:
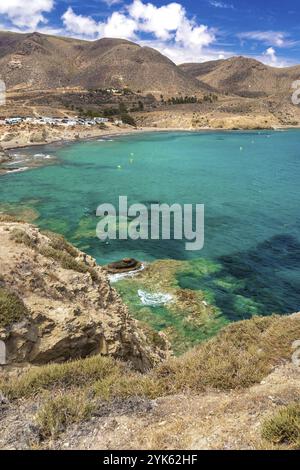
[248,182]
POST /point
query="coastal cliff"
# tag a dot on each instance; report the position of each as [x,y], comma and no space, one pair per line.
[80,373]
[56,304]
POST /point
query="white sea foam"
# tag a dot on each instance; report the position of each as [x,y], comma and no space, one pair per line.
[119,276]
[154,300]
[42,155]
[15,162]
[18,170]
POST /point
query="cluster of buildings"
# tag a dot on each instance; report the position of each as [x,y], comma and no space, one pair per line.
[55,121]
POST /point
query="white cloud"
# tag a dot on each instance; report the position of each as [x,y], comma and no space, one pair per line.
[27,16]
[270,38]
[218,4]
[168,23]
[117,25]
[110,3]
[120,26]
[270,57]
[271,53]
[191,35]
[158,21]
[181,54]
[79,24]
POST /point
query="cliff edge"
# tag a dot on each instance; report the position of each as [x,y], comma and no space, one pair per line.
[56,304]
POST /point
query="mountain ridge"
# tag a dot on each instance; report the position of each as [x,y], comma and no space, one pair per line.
[48,61]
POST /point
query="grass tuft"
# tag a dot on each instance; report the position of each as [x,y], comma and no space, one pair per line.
[67,261]
[12,308]
[78,373]
[20,236]
[58,242]
[284,426]
[60,412]
[241,355]
[9,218]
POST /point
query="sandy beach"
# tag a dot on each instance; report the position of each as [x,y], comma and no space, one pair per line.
[21,136]
[13,137]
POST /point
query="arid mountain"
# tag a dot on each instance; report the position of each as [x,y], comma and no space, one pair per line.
[40,61]
[37,61]
[244,77]
[48,75]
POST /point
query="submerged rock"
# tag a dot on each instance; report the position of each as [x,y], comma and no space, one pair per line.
[70,309]
[124,266]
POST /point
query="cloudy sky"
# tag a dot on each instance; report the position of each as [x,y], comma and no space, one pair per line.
[185,31]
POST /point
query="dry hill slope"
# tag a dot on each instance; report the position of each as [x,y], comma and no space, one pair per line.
[40,61]
[244,76]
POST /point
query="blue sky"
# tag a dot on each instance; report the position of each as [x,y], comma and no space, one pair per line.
[186,30]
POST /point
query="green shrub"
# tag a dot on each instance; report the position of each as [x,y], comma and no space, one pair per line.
[284,426]
[12,308]
[127,119]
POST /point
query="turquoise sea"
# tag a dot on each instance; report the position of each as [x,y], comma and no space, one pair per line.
[248,182]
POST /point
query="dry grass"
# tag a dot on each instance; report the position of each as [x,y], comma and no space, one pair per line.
[12,308]
[67,261]
[60,412]
[58,249]
[20,236]
[241,355]
[58,242]
[75,374]
[284,427]
[9,218]
[166,436]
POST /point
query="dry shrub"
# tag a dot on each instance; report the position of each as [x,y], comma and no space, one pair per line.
[284,426]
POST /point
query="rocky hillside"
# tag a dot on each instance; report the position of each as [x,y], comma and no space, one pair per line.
[56,304]
[239,390]
[39,61]
[57,76]
[244,77]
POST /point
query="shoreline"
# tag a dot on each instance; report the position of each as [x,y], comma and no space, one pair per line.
[74,135]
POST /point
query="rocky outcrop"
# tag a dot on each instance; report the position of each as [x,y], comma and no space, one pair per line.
[70,309]
[4,156]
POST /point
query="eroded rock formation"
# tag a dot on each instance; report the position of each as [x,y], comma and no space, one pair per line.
[70,309]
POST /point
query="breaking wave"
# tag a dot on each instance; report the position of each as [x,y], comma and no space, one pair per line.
[154,300]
